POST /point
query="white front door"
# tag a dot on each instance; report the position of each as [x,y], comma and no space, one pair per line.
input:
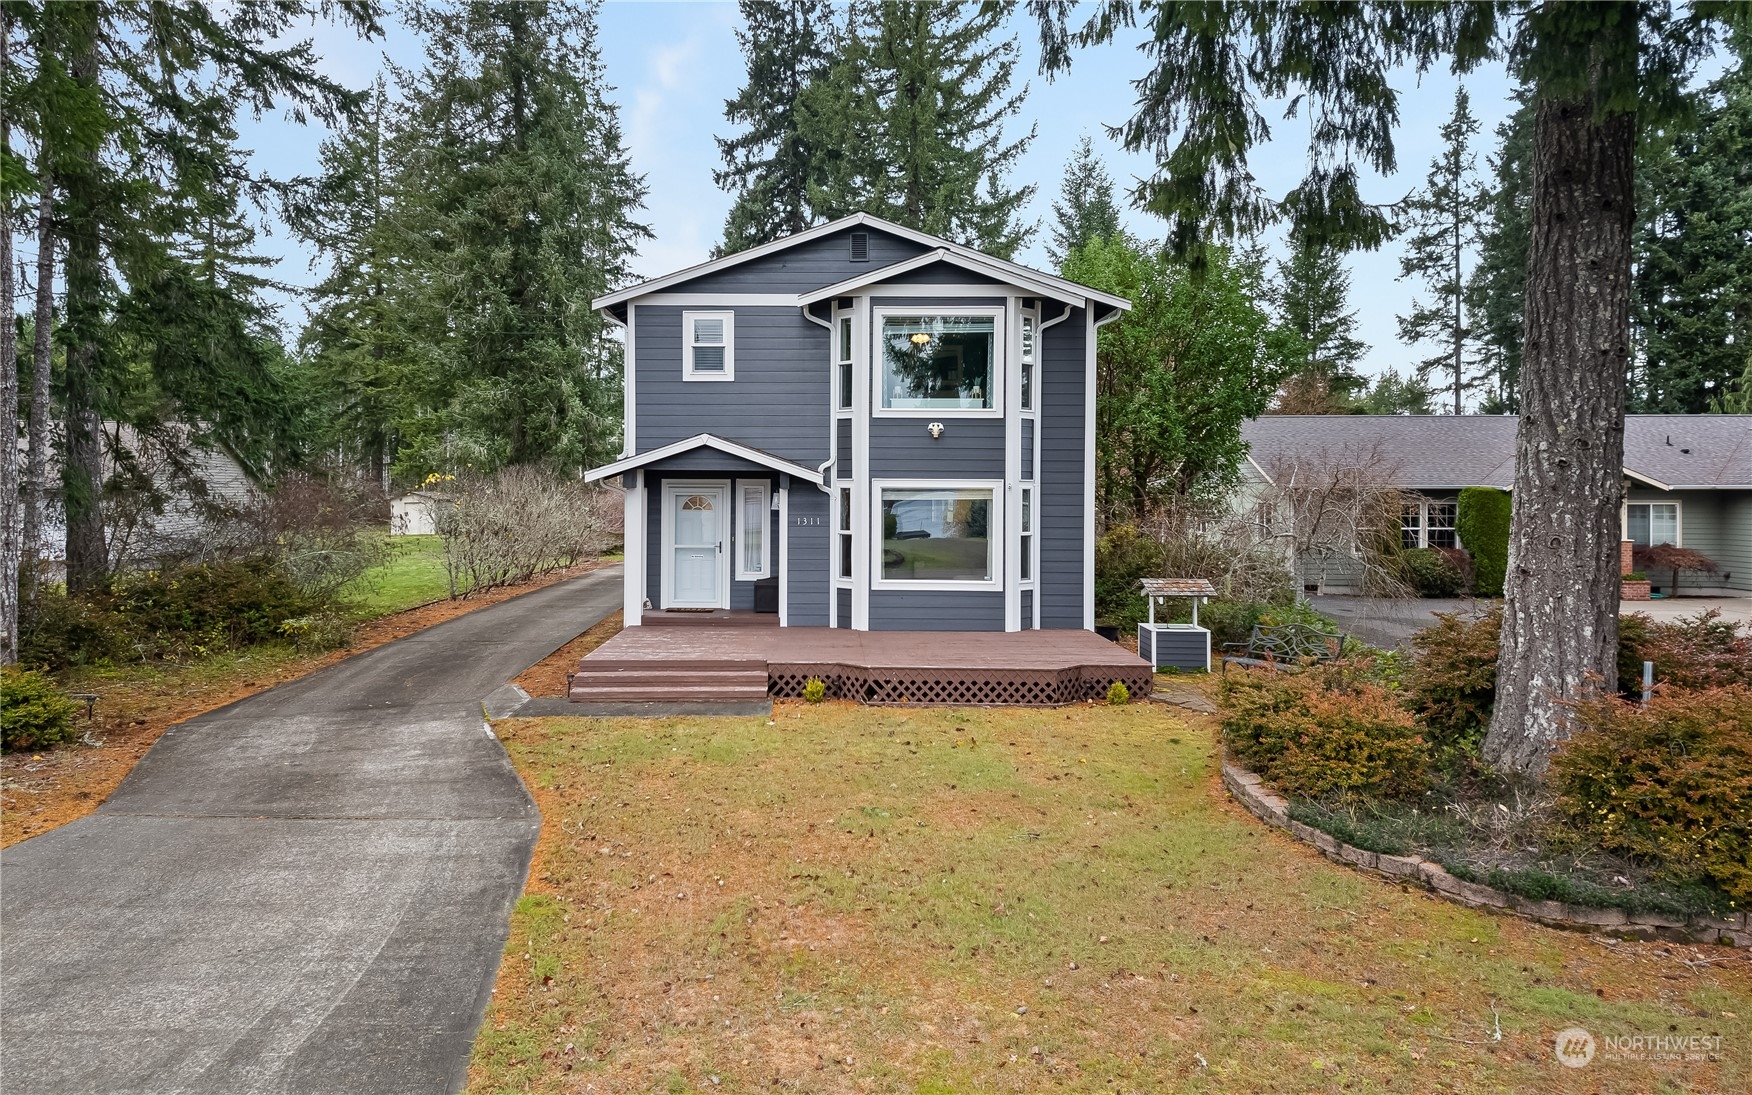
[696,518]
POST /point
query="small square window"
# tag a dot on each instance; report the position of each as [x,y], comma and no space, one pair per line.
[709,346]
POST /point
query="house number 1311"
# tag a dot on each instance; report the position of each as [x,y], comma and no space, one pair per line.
[809,520]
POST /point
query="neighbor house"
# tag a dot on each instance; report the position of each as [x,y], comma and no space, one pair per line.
[861,426]
[1687,480]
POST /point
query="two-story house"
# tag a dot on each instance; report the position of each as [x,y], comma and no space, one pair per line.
[861,426]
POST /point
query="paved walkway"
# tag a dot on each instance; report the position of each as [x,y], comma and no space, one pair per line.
[1389,622]
[304,892]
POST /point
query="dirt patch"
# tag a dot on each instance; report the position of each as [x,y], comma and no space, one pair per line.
[43,791]
[548,676]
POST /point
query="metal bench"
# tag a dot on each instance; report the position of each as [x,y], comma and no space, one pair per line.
[1285,645]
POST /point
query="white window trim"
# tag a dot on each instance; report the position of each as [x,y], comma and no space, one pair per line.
[766,546]
[999,353]
[687,347]
[994,540]
[1678,517]
[1423,524]
[1024,409]
[1032,534]
[843,399]
[834,511]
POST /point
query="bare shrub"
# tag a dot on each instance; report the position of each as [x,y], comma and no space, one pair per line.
[323,532]
[519,524]
[1336,510]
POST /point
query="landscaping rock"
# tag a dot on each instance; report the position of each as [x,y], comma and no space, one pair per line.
[1480,896]
[1596,918]
[1400,866]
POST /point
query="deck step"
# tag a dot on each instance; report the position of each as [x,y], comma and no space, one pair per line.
[647,693]
[682,679]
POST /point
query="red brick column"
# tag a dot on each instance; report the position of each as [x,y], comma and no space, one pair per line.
[1626,556]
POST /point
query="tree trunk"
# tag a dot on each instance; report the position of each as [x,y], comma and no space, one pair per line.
[9,517]
[36,468]
[1560,619]
[82,467]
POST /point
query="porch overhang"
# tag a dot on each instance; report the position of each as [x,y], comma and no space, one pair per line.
[704,441]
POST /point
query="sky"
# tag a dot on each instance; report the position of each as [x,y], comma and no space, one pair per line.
[674,64]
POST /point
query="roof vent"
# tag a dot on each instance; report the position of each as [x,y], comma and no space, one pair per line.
[860,247]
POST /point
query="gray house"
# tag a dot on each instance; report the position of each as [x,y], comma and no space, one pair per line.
[1687,479]
[861,426]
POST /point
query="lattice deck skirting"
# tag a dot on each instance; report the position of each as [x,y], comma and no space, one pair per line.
[973,687]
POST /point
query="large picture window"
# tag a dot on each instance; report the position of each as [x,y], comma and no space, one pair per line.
[938,362]
[938,534]
[1651,523]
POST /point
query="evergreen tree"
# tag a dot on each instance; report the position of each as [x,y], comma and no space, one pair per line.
[1442,227]
[1085,209]
[787,46]
[908,123]
[515,209]
[1693,273]
[1497,289]
[1394,394]
[1312,297]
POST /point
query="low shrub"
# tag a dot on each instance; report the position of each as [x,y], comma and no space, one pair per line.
[319,632]
[1118,695]
[56,631]
[1667,783]
[1695,652]
[208,607]
[814,690]
[33,712]
[1432,572]
[1327,730]
[1123,556]
[1451,684]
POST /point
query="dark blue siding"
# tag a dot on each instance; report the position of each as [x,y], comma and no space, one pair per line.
[970,448]
[1061,473]
[845,607]
[842,468]
[808,583]
[778,401]
[926,610]
[805,267]
[942,273]
[1028,448]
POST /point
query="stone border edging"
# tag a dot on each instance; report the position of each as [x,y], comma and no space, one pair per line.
[1249,789]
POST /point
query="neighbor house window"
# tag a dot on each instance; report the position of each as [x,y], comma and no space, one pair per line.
[1030,336]
[753,500]
[938,534]
[1651,523]
[1428,525]
[709,345]
[843,363]
[844,533]
[1027,559]
[939,362]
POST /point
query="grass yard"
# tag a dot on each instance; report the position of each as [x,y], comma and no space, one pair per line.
[414,575]
[853,899]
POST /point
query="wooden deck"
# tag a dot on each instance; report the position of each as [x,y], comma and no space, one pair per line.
[716,663]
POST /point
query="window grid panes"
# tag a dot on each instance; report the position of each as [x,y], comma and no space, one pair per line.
[938,363]
[1027,561]
[1649,523]
[1440,525]
[1411,525]
[845,532]
[708,338]
[843,358]
[936,534]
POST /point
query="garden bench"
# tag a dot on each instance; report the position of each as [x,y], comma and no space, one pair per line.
[1285,645]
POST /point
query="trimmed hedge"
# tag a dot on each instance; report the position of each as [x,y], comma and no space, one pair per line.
[1483,525]
[1433,573]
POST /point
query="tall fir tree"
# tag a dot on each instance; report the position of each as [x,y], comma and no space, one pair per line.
[1693,274]
[1497,289]
[787,46]
[1312,296]
[1085,209]
[1441,226]
[909,123]
[515,204]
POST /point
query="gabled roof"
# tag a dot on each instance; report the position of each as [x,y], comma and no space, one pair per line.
[1002,268]
[1431,452]
[1008,272]
[705,441]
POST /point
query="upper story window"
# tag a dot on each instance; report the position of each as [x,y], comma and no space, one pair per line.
[843,363]
[938,363]
[708,345]
[1030,337]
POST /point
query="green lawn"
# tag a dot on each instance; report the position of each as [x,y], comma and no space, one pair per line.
[413,576]
[853,899]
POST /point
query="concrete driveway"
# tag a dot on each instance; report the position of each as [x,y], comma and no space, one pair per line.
[306,891]
[1389,622]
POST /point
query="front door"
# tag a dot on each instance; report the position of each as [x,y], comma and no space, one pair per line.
[696,518]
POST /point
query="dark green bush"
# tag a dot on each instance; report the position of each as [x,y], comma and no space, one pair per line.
[1327,730]
[56,631]
[208,607]
[1123,556]
[1483,525]
[1432,573]
[1451,684]
[33,712]
[1668,783]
